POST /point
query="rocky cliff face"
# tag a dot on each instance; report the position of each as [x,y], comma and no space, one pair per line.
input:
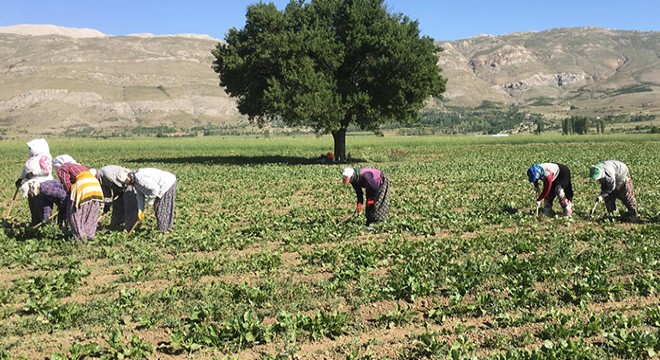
[594,71]
[71,80]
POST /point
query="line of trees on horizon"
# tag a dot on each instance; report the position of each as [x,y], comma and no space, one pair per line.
[580,125]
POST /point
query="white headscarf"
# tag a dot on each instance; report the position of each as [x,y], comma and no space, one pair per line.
[38,147]
[348,173]
[61,160]
[39,164]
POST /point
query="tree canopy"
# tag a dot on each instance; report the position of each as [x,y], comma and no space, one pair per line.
[328,64]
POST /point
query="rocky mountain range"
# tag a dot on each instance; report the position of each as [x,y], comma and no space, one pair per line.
[60,80]
[558,72]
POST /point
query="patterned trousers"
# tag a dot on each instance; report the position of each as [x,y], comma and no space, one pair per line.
[564,201]
[625,193]
[164,209]
[84,219]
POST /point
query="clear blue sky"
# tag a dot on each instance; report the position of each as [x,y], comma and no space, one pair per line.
[442,20]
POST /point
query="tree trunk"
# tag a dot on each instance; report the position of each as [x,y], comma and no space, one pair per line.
[340,144]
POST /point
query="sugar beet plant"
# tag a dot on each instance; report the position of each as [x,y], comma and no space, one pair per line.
[265,258]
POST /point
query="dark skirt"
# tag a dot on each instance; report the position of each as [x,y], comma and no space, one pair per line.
[379,210]
[124,209]
[37,205]
[563,181]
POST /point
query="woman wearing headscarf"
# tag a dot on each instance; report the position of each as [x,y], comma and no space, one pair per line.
[376,188]
[615,183]
[556,180]
[38,167]
[159,189]
[123,198]
[85,196]
[67,169]
[50,193]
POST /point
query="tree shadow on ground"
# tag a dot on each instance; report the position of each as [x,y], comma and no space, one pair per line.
[240,160]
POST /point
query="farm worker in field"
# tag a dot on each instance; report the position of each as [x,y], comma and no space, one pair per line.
[123,198]
[556,180]
[159,189]
[50,193]
[615,183]
[38,167]
[85,196]
[376,186]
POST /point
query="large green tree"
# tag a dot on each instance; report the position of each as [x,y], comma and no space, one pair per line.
[327,64]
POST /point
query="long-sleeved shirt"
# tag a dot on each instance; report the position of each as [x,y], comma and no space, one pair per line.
[67,174]
[551,171]
[108,177]
[152,184]
[615,174]
[38,168]
[370,180]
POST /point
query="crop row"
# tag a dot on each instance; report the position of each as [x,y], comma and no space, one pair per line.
[260,263]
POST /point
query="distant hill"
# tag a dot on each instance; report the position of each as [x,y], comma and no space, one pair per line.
[558,72]
[54,83]
[59,80]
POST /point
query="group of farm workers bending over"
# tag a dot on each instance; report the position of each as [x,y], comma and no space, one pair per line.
[613,176]
[81,195]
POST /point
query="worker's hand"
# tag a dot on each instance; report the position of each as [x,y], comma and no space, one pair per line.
[538,203]
[358,209]
[370,202]
[599,199]
[18,183]
[140,215]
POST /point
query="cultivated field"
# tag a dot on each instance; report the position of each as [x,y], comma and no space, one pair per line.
[260,266]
